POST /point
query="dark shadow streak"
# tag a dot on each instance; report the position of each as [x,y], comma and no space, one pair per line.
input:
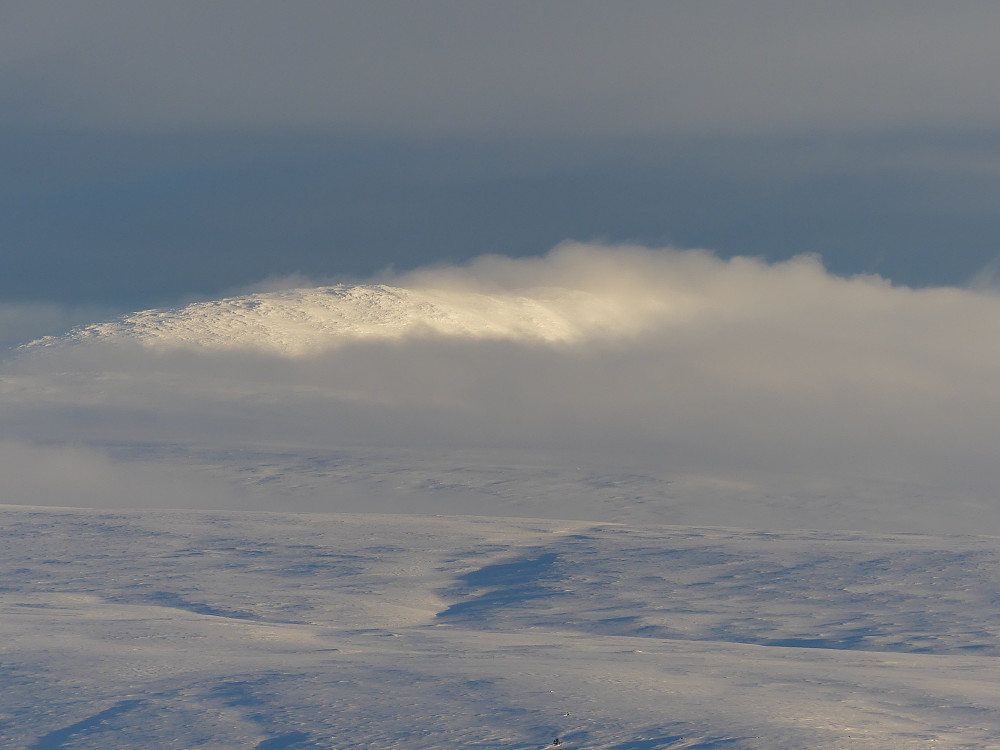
[56,739]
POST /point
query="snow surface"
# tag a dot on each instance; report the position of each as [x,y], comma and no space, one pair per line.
[309,320]
[233,630]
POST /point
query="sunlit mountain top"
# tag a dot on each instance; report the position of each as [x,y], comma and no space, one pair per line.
[299,321]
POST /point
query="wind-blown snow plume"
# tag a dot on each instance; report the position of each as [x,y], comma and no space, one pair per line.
[682,362]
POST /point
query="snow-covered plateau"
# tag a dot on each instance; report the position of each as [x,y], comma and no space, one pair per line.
[233,630]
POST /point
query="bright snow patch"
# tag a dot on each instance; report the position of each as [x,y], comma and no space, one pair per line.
[301,321]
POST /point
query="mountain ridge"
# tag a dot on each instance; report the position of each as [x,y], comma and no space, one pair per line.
[304,320]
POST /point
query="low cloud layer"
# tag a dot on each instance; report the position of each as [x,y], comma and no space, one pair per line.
[86,477]
[739,370]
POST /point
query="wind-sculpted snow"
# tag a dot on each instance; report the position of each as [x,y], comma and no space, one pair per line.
[193,629]
[307,321]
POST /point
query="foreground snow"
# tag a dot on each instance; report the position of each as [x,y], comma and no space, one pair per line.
[232,630]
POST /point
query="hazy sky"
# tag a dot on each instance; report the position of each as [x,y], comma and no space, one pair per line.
[158,151]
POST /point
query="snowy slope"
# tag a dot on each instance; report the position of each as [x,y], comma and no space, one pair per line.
[187,629]
[310,320]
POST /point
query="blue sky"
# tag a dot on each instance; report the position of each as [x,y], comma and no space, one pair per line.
[158,152]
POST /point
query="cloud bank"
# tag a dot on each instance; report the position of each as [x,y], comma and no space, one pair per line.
[679,362]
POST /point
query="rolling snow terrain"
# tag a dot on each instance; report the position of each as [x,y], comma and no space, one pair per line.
[193,629]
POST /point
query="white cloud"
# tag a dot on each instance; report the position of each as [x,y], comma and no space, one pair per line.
[742,370]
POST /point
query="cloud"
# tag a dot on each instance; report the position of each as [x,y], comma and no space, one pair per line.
[781,375]
[506,69]
[82,476]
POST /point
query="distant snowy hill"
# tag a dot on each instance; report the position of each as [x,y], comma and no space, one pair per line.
[299,321]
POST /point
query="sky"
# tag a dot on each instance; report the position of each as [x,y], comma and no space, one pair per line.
[810,186]
[162,152]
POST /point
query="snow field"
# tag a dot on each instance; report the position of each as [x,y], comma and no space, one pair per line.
[224,630]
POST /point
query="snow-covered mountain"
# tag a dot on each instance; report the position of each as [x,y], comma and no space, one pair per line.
[306,320]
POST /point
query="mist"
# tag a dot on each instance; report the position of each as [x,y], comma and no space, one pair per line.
[781,376]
